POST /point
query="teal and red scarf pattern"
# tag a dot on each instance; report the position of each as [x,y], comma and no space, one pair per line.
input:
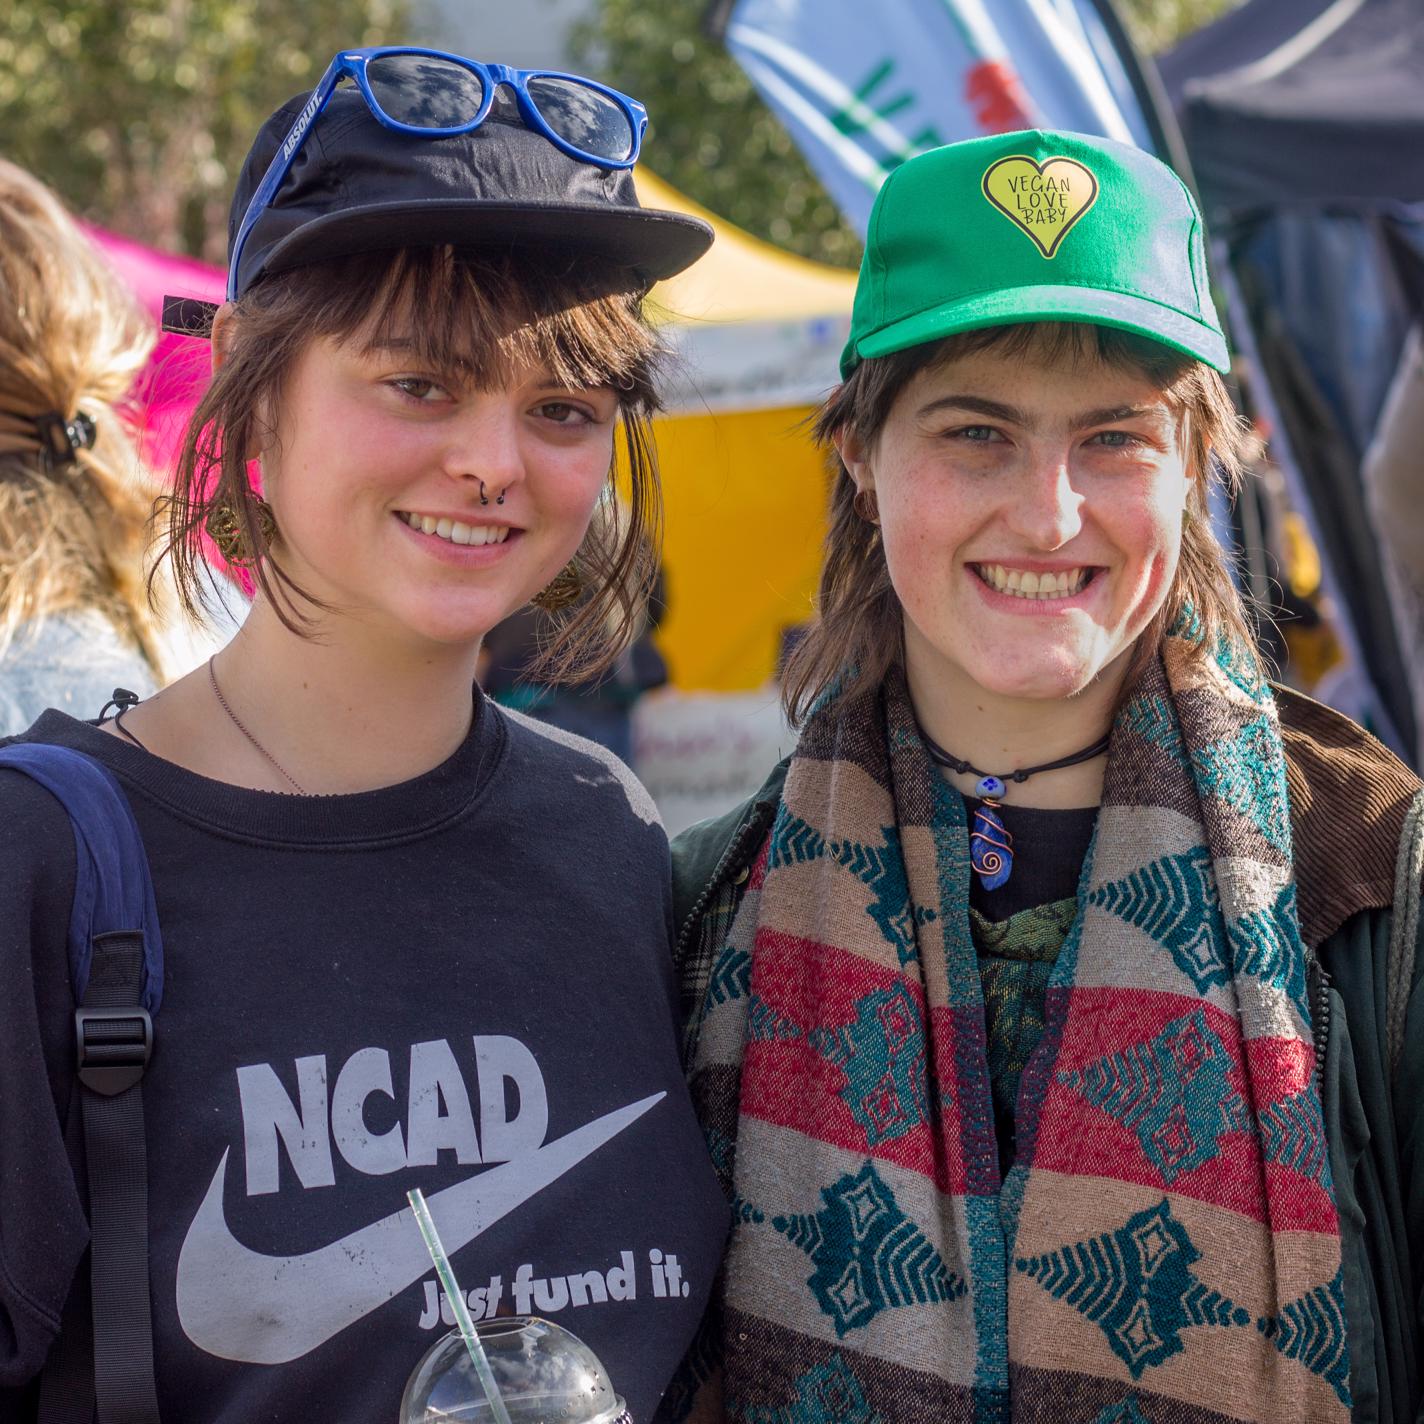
[1165,1247]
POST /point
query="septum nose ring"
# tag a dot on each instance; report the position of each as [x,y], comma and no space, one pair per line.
[484,498]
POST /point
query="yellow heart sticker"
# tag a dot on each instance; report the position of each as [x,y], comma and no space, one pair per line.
[1042,199]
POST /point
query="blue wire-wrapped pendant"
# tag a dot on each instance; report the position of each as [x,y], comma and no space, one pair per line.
[991,847]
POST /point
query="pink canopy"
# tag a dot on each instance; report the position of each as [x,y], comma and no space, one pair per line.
[178,371]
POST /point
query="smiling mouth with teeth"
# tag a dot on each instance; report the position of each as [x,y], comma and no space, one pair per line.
[453,531]
[1024,583]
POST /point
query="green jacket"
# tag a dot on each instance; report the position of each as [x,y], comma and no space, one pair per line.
[1357,818]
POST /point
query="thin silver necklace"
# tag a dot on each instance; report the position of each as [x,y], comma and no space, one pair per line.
[236,722]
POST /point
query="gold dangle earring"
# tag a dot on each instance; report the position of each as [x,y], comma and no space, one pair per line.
[565,590]
[226,531]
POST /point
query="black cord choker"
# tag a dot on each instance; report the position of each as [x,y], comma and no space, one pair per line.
[991,847]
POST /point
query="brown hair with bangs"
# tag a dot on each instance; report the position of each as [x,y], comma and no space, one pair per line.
[485,315]
[857,636]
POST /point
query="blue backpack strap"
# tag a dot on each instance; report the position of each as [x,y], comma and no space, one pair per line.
[112,888]
[116,971]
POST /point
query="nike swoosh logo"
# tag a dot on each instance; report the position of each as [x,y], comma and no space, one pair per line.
[240,1305]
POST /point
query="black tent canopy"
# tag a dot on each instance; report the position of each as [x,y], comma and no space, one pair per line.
[1304,120]
[1334,112]
[1240,37]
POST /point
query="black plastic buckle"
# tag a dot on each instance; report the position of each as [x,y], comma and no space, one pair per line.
[57,438]
[113,1046]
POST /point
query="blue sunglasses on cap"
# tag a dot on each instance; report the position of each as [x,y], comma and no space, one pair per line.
[438,95]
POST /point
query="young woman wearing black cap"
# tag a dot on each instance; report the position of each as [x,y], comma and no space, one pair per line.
[410,939]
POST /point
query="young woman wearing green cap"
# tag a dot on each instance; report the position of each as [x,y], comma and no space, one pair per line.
[1050,1010]
[410,940]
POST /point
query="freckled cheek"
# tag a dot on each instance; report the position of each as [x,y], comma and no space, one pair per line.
[342,421]
[924,523]
[561,491]
[1158,546]
[567,483]
[335,494]
[351,446]
[918,567]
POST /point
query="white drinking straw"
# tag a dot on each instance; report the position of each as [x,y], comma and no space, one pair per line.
[457,1304]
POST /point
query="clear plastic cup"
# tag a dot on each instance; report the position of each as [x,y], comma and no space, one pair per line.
[545,1375]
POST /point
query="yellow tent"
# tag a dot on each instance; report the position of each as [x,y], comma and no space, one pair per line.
[743,278]
[758,332]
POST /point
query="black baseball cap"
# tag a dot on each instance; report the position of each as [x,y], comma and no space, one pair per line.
[357,186]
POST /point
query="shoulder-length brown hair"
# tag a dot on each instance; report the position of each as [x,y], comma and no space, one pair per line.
[857,635]
[483,316]
[72,340]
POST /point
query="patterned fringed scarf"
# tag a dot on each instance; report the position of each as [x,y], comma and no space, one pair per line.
[1166,1247]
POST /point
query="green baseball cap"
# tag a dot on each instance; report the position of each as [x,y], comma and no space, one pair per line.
[1033,226]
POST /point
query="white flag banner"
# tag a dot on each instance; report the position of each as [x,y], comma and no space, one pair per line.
[862,87]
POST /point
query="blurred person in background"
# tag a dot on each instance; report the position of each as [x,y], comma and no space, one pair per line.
[74,618]
[1394,483]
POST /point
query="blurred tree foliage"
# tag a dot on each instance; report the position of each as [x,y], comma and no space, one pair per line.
[713,137]
[140,111]
[710,134]
[1157,25]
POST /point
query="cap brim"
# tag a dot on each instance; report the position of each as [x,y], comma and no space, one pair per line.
[650,242]
[1011,305]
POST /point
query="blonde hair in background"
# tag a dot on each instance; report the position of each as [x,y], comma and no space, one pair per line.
[72,339]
